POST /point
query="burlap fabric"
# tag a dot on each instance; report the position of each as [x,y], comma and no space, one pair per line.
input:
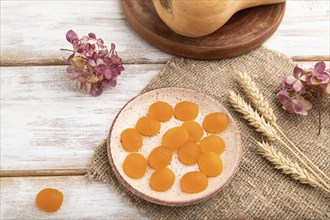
[257,189]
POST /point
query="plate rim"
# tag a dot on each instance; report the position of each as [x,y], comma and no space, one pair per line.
[159,201]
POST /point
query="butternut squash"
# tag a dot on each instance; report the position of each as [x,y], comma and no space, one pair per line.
[196,18]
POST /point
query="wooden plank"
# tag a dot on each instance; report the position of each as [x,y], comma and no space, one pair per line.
[82,199]
[47,124]
[303,32]
[21,44]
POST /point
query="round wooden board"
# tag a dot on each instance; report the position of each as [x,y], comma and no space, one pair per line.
[245,31]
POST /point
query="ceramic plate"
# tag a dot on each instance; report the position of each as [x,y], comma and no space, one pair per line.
[138,107]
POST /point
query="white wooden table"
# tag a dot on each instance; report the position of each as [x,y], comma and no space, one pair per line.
[49,130]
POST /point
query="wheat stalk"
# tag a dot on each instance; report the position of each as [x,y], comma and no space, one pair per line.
[287,166]
[264,127]
[266,111]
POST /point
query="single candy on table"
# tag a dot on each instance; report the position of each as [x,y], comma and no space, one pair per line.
[49,200]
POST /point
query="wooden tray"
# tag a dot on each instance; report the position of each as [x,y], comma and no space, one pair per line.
[245,31]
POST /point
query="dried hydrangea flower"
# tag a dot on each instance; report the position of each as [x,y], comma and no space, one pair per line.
[299,106]
[91,64]
[312,83]
[319,76]
[296,80]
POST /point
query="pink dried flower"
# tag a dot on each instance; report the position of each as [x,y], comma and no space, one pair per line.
[318,75]
[93,66]
[296,80]
[299,106]
[304,83]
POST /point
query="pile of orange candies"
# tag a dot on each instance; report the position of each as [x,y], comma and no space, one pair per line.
[186,140]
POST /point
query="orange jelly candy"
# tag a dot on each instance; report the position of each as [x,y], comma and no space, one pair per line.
[160,157]
[210,164]
[162,179]
[189,153]
[135,165]
[185,111]
[148,126]
[194,182]
[212,143]
[161,111]
[215,122]
[175,137]
[194,129]
[131,139]
[49,200]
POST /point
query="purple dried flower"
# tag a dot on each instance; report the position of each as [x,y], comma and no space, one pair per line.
[318,75]
[299,106]
[97,89]
[312,83]
[296,80]
[71,36]
[92,64]
[92,35]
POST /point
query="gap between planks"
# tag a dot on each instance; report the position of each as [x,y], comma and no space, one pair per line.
[59,62]
[41,173]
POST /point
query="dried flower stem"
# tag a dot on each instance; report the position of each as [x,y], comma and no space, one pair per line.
[287,166]
[67,50]
[266,111]
[264,127]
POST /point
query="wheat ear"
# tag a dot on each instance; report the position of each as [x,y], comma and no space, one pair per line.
[264,127]
[266,111]
[287,166]
[255,96]
[252,116]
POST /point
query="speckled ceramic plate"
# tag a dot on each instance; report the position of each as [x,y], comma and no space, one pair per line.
[137,107]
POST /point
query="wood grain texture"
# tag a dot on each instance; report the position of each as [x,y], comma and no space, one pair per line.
[49,128]
[34,34]
[245,31]
[47,124]
[82,199]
